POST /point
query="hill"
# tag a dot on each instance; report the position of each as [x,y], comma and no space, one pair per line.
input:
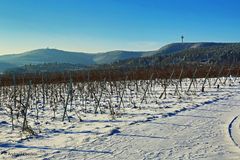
[41,56]
[219,54]
[177,47]
[169,54]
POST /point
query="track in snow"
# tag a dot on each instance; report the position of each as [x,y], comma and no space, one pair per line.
[234,131]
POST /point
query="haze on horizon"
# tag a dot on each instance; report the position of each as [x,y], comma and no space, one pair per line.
[98,26]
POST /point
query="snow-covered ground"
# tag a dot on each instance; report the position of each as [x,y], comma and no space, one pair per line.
[194,125]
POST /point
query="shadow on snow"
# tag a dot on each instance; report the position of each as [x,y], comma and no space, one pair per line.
[11,145]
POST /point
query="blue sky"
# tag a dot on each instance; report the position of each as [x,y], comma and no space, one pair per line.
[104,25]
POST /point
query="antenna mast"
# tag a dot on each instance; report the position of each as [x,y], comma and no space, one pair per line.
[182,37]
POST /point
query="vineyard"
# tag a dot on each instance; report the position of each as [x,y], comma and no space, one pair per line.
[34,106]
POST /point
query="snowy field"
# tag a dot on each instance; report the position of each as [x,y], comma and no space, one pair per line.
[125,120]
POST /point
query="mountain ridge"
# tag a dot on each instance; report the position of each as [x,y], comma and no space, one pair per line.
[220,55]
[39,56]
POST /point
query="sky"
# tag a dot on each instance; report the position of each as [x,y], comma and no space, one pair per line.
[105,25]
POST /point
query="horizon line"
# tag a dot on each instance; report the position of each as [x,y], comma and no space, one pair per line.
[106,51]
